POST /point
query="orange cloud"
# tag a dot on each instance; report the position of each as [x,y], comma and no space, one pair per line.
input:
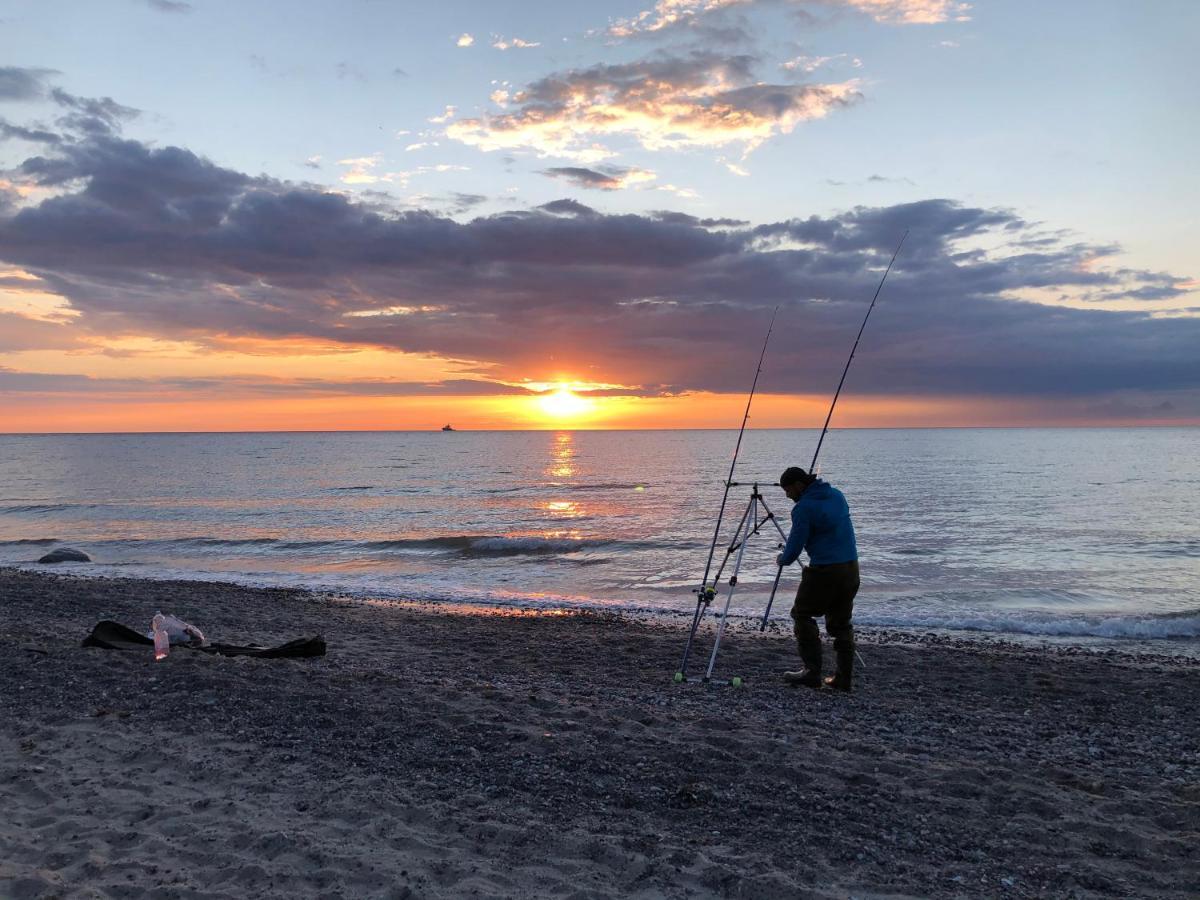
[670,13]
[663,103]
[913,12]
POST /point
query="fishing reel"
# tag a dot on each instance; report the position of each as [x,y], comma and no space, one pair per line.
[706,594]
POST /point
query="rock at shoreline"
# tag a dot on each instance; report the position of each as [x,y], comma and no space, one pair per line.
[65,554]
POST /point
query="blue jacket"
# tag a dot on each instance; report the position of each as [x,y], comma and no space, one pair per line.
[821,525]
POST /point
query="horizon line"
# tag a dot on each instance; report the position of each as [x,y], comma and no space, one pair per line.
[436,430]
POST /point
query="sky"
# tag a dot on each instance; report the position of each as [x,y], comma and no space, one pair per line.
[220,216]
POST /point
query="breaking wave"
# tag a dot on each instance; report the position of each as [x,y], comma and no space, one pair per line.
[1174,626]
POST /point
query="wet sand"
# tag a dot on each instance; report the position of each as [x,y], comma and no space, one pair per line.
[444,752]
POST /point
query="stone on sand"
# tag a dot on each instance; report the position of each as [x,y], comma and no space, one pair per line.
[65,554]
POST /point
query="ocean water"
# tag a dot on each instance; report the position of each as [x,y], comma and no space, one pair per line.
[1075,534]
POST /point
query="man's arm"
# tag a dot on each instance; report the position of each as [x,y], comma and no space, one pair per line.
[797,538]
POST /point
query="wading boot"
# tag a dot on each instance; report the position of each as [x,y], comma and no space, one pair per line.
[843,678]
[810,675]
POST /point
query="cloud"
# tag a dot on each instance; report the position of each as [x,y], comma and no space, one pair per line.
[18,83]
[91,115]
[912,12]
[170,6]
[516,43]
[346,70]
[670,15]
[567,208]
[677,218]
[464,40]
[663,102]
[361,170]
[33,135]
[810,64]
[162,243]
[607,178]
[872,179]
[13,381]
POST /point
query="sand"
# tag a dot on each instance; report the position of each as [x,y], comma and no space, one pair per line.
[444,752]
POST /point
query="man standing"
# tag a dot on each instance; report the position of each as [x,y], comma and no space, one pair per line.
[821,525]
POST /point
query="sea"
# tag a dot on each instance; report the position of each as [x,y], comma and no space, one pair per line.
[1075,535]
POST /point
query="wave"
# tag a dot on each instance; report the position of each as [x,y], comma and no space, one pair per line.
[559,486]
[464,544]
[1172,626]
[1167,548]
[490,545]
[27,541]
[46,507]
[602,486]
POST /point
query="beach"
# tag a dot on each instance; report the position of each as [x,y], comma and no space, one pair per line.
[448,751]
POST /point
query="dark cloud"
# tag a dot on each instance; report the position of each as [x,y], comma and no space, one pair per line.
[17,83]
[567,207]
[33,135]
[587,178]
[678,218]
[83,115]
[91,116]
[462,202]
[606,178]
[12,381]
[162,242]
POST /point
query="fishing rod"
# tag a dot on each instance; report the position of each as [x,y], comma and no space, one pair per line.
[812,467]
[706,593]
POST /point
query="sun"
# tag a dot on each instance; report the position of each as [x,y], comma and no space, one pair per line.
[563,404]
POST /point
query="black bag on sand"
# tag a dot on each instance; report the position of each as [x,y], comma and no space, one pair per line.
[115,636]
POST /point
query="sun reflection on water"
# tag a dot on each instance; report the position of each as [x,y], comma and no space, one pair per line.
[562,455]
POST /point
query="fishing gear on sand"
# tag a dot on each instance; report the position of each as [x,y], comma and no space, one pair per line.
[757,515]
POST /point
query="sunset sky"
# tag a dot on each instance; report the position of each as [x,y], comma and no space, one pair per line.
[385,215]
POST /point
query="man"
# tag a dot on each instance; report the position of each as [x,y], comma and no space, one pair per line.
[821,525]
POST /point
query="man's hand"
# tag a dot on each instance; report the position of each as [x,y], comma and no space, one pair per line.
[779,560]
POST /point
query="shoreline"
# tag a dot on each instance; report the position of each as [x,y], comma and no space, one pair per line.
[438,751]
[1141,646]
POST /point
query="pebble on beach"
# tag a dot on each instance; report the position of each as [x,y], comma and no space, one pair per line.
[65,554]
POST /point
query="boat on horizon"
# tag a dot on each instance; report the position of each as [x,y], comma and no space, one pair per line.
[447,428]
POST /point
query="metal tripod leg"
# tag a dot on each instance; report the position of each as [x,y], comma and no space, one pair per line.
[712,660]
[778,573]
[750,524]
[751,528]
[705,595]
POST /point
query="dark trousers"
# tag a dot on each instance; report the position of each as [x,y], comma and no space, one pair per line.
[825,591]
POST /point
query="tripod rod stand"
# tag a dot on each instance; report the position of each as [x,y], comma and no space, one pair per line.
[755,517]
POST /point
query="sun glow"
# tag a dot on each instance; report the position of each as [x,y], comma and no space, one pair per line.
[563,404]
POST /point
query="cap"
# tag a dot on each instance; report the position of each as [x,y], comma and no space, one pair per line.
[793,474]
